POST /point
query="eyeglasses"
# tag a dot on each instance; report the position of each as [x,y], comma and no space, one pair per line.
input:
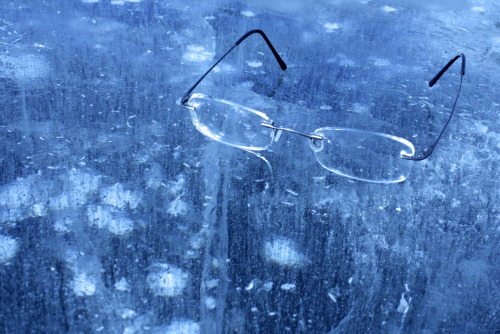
[353,153]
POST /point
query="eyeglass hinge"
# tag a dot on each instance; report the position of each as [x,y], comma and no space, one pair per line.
[185,99]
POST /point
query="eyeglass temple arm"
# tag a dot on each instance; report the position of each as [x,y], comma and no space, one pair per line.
[282,64]
[432,83]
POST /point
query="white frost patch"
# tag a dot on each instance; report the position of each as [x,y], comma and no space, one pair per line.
[250,285]
[403,306]
[478,9]
[122,285]
[11,215]
[389,9]
[210,284]
[332,297]
[128,313]
[382,62]
[210,303]
[8,248]
[254,63]
[154,177]
[380,241]
[268,286]
[38,210]
[360,108]
[26,197]
[63,224]
[79,185]
[224,68]
[122,2]
[282,251]
[288,286]
[176,187]
[23,67]
[17,194]
[247,13]
[167,280]
[83,285]
[330,27]
[183,327]
[110,218]
[118,197]
[177,207]
[90,1]
[197,53]
[325,107]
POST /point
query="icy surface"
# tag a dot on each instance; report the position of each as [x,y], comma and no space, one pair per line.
[117,216]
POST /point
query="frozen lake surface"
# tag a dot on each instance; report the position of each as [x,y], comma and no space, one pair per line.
[118,216]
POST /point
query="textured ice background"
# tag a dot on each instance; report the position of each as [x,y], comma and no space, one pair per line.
[116,216]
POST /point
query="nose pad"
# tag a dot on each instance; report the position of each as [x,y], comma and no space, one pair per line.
[277,135]
[316,144]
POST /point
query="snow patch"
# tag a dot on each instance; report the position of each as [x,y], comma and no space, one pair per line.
[153,177]
[83,285]
[23,67]
[183,327]
[330,27]
[175,187]
[247,13]
[177,207]
[389,9]
[79,185]
[224,68]
[288,286]
[197,53]
[210,303]
[63,224]
[478,9]
[17,194]
[282,251]
[382,62]
[128,313]
[403,306]
[122,285]
[110,218]
[118,197]
[210,284]
[254,63]
[8,248]
[268,286]
[122,2]
[167,280]
[38,210]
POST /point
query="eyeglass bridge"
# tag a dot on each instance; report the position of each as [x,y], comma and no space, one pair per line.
[310,136]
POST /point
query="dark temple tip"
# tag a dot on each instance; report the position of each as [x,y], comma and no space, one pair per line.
[282,65]
[446,67]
